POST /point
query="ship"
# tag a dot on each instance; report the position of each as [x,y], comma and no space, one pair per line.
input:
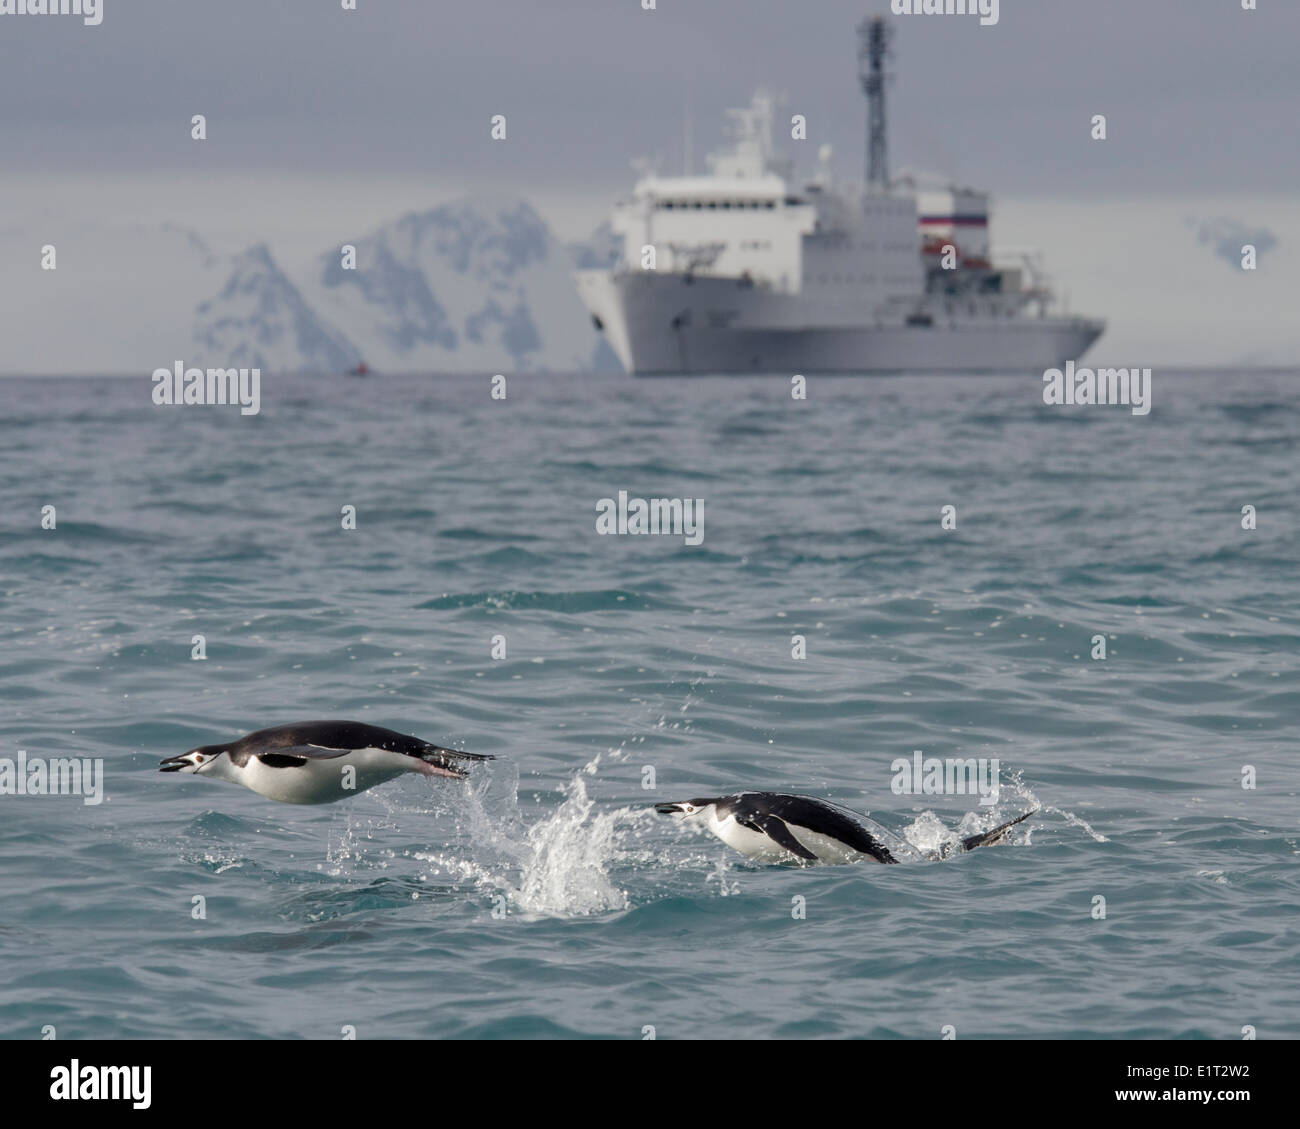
[748,270]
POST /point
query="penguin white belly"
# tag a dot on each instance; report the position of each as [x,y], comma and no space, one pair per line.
[752,844]
[326,780]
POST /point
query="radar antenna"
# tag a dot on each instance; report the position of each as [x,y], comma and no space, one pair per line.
[874,37]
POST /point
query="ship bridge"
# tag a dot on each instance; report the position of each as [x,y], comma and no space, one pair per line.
[741,220]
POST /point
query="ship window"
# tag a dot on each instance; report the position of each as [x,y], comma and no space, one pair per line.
[726,204]
[771,203]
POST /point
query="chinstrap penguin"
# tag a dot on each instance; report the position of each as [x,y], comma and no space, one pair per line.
[319,762]
[773,827]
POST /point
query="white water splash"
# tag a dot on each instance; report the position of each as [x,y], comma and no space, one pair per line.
[1023,792]
[930,836]
[569,850]
[558,866]
[220,863]
[349,851]
[721,874]
[932,839]
[1077,821]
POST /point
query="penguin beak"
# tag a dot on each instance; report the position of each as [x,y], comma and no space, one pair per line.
[437,761]
[670,809]
[186,762]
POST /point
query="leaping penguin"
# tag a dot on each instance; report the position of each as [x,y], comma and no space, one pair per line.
[772,827]
[305,763]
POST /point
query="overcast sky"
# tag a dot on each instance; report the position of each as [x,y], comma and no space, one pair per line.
[321,119]
[1198,92]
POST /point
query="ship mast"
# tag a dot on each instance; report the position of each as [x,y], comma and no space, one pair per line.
[873,48]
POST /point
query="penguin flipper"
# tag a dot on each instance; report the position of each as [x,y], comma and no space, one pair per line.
[295,756]
[776,830]
[988,838]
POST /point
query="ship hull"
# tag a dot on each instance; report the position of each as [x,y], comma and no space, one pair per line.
[665,325]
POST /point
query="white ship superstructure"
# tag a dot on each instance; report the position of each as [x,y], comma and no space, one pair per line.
[740,270]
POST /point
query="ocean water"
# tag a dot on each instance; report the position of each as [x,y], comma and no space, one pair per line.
[544,897]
